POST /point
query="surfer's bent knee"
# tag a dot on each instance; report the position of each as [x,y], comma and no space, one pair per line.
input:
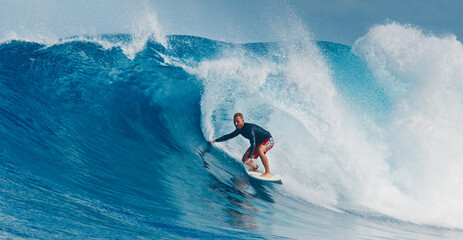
[262,149]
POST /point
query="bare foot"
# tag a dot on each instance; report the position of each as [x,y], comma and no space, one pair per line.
[267,175]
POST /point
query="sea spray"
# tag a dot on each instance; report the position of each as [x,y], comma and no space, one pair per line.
[127,119]
[422,75]
[322,152]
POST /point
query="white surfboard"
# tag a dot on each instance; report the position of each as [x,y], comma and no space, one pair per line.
[256,175]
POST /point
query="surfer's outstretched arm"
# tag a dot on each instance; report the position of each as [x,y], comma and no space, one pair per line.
[226,137]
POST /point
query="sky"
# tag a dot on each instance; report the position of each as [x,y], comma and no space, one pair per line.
[341,21]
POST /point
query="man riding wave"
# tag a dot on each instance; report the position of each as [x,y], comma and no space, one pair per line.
[260,139]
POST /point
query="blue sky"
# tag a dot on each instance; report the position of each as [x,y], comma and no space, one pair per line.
[341,21]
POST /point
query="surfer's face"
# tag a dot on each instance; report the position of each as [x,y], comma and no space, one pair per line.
[239,123]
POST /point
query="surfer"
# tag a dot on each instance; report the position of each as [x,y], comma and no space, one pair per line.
[260,139]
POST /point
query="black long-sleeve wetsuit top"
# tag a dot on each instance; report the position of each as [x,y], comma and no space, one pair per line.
[254,133]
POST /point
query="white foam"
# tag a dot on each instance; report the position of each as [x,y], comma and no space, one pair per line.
[41,38]
[321,152]
[142,22]
[406,167]
[144,28]
[422,74]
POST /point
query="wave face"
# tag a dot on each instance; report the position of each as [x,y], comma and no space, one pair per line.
[105,137]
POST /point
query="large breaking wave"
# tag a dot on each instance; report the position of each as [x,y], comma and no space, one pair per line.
[111,130]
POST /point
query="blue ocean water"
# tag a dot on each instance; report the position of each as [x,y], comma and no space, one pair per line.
[104,138]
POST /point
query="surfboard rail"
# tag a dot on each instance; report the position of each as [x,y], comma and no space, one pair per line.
[256,175]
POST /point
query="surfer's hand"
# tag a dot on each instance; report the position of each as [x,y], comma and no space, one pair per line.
[211,141]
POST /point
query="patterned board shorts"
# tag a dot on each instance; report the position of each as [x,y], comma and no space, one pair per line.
[269,142]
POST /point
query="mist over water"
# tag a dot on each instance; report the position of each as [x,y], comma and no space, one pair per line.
[421,75]
[372,130]
[328,151]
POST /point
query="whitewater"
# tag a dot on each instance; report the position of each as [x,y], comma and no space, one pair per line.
[105,136]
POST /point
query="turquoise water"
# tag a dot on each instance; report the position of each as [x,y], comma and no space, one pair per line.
[104,138]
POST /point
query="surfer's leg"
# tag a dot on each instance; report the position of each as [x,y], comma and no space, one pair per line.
[261,149]
[249,162]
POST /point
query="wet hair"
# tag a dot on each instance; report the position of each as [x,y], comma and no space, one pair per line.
[238,115]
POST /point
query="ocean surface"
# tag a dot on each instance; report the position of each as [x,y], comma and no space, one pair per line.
[105,137]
